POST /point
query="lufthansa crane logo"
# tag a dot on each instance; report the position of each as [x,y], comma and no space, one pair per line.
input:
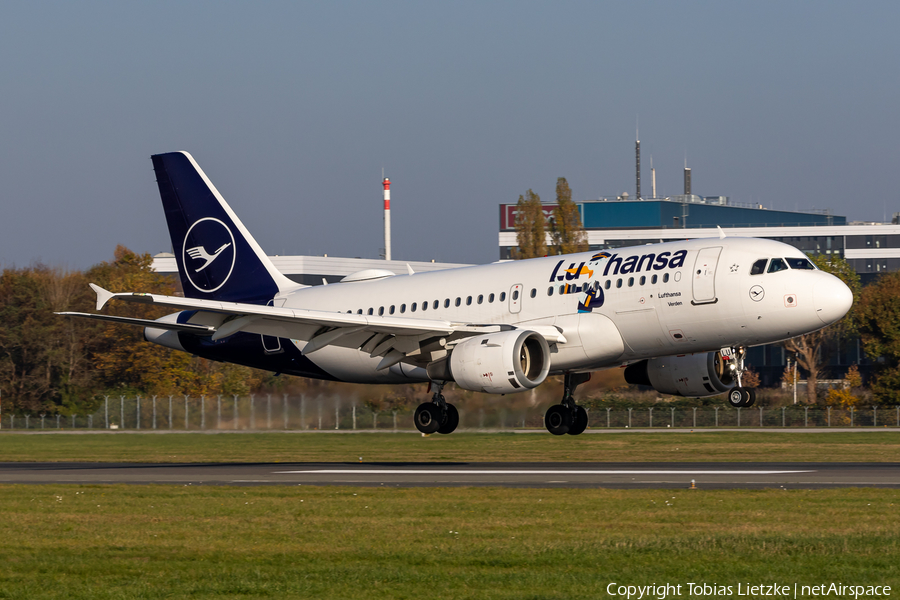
[208,254]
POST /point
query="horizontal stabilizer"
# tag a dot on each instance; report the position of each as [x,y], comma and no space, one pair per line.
[195,329]
[103,296]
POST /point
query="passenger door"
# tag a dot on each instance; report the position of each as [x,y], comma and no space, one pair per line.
[704,275]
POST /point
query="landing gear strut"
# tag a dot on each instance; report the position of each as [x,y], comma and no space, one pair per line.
[438,415]
[738,397]
[568,417]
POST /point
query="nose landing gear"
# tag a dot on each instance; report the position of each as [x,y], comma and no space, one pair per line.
[567,417]
[438,415]
[738,397]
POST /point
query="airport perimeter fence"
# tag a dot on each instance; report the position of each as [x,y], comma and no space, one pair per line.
[329,413]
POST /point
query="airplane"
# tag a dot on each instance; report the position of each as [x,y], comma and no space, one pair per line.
[677,316]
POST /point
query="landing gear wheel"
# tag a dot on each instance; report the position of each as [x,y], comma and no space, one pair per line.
[428,417]
[751,397]
[737,397]
[451,420]
[558,419]
[579,421]
[741,397]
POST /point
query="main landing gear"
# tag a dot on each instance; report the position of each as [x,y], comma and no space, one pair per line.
[438,415]
[568,417]
[733,359]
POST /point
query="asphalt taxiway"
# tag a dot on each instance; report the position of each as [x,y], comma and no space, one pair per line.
[571,475]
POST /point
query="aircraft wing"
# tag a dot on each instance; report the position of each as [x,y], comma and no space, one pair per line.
[396,339]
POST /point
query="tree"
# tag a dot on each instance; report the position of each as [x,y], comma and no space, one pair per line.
[813,350]
[878,317]
[565,228]
[531,229]
[123,359]
[43,363]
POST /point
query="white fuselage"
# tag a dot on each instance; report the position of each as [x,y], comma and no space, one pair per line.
[652,304]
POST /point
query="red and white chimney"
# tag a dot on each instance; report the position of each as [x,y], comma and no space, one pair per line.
[387,218]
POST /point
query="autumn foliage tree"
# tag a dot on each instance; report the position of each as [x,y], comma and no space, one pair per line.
[42,361]
[531,227]
[566,230]
[52,364]
[878,316]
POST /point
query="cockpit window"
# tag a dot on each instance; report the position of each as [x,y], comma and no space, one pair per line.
[800,263]
[759,267]
[777,264]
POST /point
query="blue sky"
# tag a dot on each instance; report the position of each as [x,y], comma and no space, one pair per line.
[294,108]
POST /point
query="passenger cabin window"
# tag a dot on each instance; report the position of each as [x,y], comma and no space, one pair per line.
[777,264]
[800,263]
[759,267]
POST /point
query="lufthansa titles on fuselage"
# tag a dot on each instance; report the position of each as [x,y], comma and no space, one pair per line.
[616,265]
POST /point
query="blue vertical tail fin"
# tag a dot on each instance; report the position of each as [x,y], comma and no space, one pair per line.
[217,257]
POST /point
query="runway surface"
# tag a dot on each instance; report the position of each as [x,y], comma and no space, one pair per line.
[571,475]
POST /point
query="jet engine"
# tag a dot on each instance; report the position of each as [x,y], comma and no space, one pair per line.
[496,363]
[701,374]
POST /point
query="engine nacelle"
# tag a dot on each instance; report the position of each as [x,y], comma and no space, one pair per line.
[701,374]
[497,363]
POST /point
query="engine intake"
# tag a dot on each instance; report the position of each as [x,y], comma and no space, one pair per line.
[496,363]
[702,374]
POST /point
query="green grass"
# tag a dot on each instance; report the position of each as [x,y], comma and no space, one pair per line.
[322,542]
[741,446]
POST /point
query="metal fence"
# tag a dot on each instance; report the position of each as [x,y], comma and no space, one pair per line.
[284,412]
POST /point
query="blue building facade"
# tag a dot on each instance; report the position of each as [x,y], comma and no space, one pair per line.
[666,214]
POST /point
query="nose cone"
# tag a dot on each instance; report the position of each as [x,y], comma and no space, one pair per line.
[832,298]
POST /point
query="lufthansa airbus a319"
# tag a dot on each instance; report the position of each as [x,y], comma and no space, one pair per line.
[677,316]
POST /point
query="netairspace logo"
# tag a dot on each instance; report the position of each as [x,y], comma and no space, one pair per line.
[776,590]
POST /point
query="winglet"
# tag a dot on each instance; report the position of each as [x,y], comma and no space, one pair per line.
[103,296]
[409,269]
[721,232]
